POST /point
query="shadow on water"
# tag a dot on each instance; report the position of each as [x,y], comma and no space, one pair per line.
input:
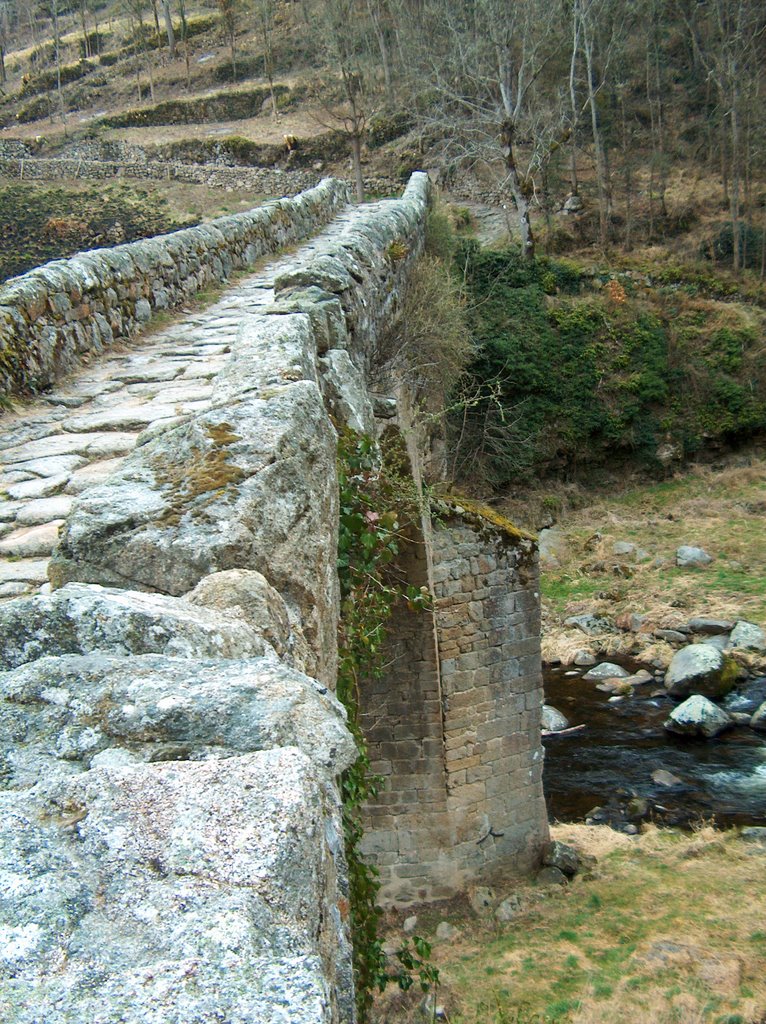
[624,742]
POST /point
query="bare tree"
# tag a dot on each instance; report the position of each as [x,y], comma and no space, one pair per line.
[229,11]
[345,35]
[728,37]
[599,30]
[264,15]
[4,39]
[482,63]
[55,14]
[169,28]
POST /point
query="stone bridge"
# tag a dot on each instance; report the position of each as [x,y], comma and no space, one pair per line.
[170,840]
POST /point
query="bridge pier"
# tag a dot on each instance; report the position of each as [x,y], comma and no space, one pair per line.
[453,724]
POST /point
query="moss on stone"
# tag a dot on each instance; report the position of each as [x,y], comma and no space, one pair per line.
[204,473]
[730,673]
[484,516]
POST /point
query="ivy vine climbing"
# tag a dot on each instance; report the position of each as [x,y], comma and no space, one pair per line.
[377,503]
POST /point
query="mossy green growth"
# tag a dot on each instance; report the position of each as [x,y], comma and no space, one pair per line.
[483,516]
[566,382]
[731,673]
[206,474]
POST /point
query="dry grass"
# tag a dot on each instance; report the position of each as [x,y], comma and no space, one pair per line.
[721,509]
[662,928]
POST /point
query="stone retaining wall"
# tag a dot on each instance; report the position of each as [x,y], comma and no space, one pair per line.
[55,314]
[261,180]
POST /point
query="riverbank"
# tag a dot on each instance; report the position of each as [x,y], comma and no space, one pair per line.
[628,941]
[613,554]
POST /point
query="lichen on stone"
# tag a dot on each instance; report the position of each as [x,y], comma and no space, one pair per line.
[206,473]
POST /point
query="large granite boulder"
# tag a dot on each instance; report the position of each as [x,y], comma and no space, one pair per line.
[699,668]
[170,843]
[698,716]
[248,486]
[68,713]
[176,892]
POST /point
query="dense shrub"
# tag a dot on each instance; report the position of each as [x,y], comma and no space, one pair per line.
[560,383]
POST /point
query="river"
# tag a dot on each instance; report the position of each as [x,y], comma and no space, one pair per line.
[624,742]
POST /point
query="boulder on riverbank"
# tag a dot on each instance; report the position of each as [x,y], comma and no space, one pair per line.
[749,636]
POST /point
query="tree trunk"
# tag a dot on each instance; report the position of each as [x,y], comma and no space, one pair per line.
[518,191]
[385,57]
[735,180]
[57,46]
[598,146]
[184,40]
[169,28]
[84,24]
[573,100]
[157,33]
[356,154]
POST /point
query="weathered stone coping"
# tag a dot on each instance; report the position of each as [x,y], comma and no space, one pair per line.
[55,314]
[483,516]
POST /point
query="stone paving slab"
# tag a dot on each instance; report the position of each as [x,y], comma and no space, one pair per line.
[56,446]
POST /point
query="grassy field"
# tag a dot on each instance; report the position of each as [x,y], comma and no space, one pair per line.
[632,939]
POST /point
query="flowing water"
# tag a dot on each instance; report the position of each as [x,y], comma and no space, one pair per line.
[613,758]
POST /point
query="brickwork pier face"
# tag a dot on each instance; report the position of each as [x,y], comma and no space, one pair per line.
[454,722]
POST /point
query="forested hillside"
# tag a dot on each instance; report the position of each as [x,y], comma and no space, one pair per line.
[617,145]
[619,104]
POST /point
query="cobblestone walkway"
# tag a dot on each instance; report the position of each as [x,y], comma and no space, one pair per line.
[56,446]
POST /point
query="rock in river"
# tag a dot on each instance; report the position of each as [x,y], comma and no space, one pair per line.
[698,716]
[698,668]
[606,670]
[553,720]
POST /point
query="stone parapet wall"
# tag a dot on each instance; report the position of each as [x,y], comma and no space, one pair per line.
[55,314]
[174,783]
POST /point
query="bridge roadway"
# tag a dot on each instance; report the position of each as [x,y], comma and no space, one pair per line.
[55,446]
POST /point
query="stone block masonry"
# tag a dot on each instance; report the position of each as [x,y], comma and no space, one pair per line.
[454,723]
[54,315]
